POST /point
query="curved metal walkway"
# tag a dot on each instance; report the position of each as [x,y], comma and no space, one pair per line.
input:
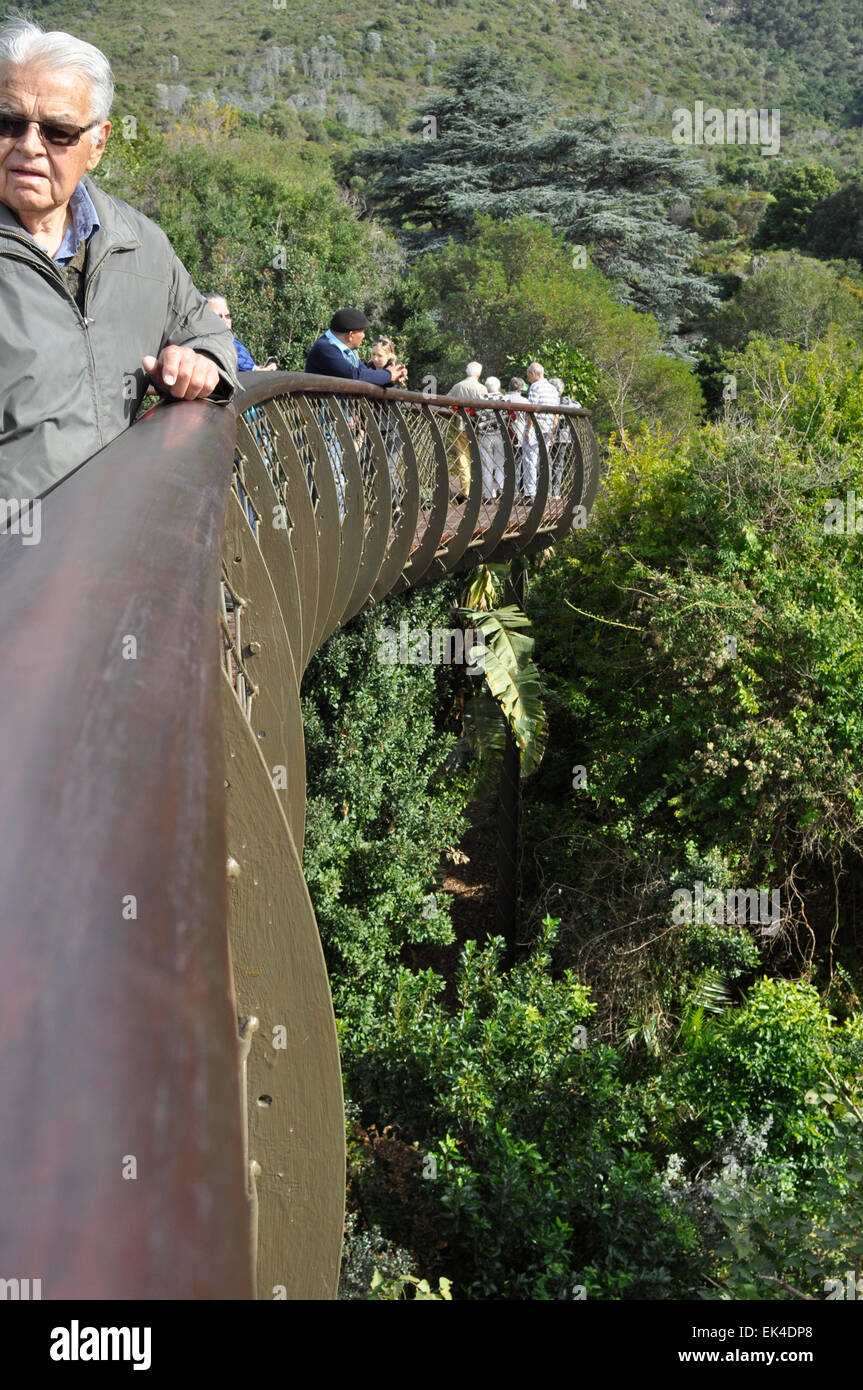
[137,1159]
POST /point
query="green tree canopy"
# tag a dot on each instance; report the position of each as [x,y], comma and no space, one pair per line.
[794,298]
[835,226]
[710,666]
[380,811]
[286,256]
[795,195]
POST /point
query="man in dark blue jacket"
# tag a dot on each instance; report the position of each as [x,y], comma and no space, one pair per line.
[336,352]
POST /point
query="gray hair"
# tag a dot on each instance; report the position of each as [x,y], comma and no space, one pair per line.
[558,383]
[23,44]
[493,383]
[536,368]
[474,368]
[517,383]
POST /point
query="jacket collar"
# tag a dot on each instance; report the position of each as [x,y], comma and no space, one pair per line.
[116,230]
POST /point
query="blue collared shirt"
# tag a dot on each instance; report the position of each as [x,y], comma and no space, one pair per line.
[85,221]
[350,353]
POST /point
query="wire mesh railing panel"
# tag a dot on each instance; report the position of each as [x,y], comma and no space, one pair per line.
[333,414]
[293,421]
[563,459]
[262,428]
[391,429]
[365,427]
[589,450]
[451,422]
[491,427]
[243,495]
[419,426]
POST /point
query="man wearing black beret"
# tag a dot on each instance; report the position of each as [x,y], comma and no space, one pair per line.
[336,352]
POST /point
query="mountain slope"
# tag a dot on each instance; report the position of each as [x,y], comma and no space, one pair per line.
[365,71]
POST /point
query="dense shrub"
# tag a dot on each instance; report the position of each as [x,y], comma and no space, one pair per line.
[384,797]
[795,299]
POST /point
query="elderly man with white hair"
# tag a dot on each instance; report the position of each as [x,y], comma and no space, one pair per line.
[470,384]
[94,304]
[541,392]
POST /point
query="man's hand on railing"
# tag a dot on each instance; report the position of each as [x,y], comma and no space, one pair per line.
[183,373]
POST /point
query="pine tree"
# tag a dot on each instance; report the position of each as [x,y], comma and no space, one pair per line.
[488,144]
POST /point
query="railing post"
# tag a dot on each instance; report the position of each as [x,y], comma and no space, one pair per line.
[509,803]
[247,1028]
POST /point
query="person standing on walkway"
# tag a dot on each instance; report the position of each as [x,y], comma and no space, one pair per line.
[491,444]
[541,392]
[336,352]
[469,388]
[245,362]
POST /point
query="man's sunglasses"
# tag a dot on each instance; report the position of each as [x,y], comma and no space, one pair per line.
[13,127]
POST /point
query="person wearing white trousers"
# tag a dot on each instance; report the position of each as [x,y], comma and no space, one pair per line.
[541,393]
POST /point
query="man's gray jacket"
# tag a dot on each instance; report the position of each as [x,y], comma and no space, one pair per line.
[70,382]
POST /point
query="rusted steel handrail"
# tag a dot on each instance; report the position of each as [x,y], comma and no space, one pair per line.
[125,1168]
[120,1150]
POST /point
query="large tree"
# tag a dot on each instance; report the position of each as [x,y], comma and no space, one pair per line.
[487,144]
